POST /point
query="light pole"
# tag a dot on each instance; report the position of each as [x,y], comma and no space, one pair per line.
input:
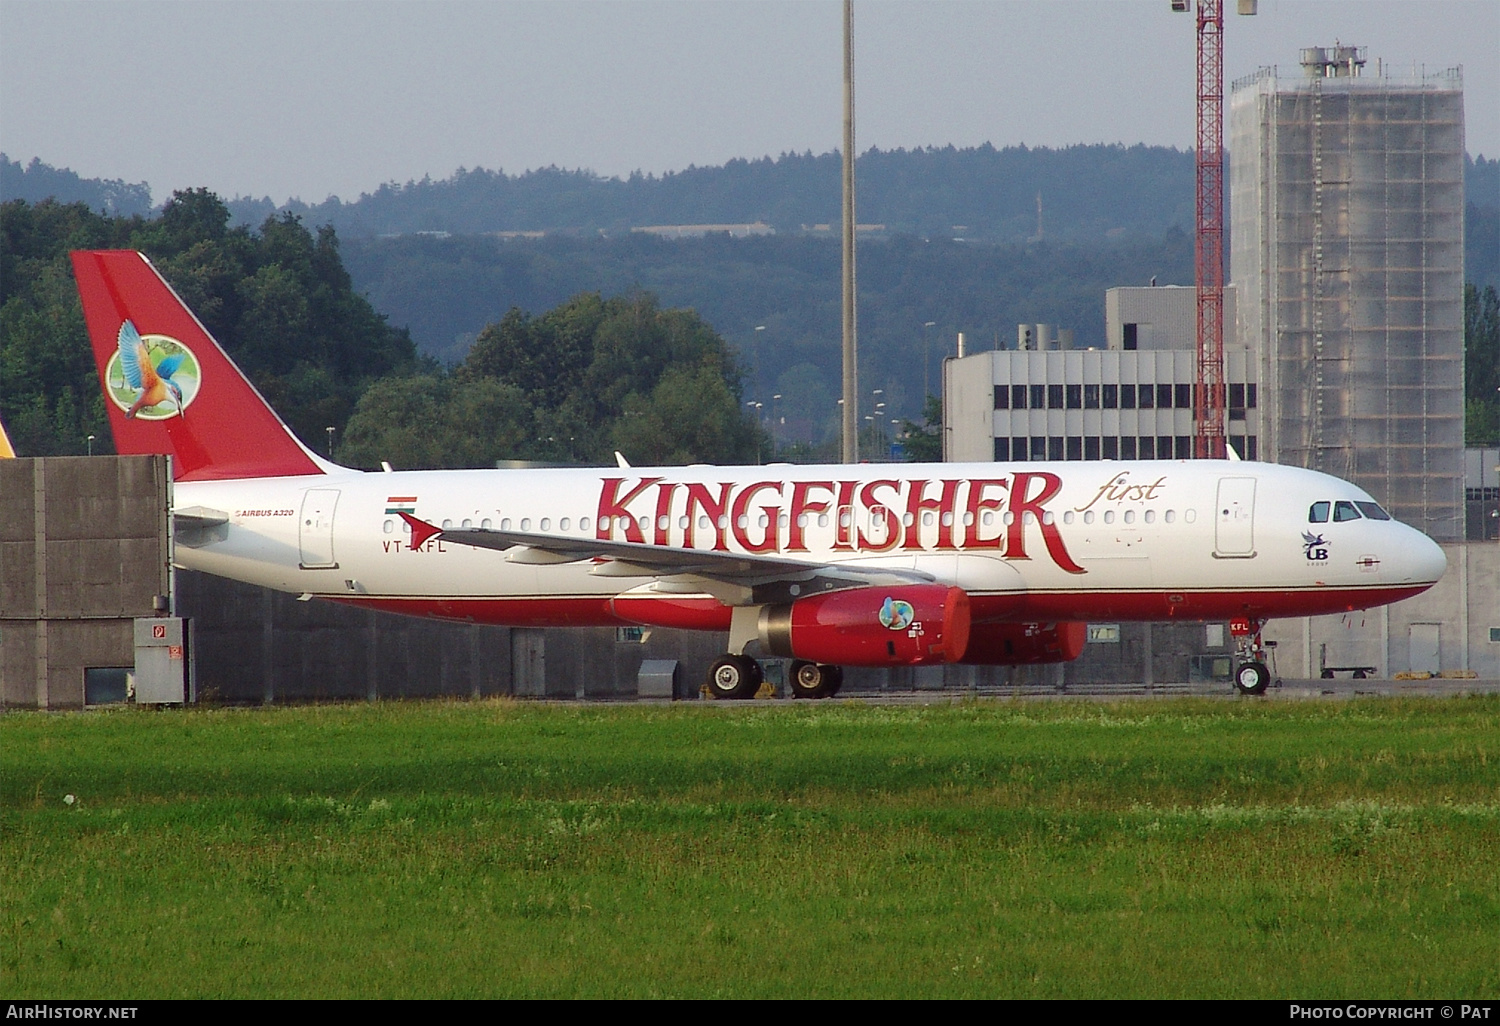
[926,360]
[774,400]
[91,445]
[330,431]
[757,408]
[755,355]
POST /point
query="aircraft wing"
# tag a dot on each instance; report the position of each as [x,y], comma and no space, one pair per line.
[768,577]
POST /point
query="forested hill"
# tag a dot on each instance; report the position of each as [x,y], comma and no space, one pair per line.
[1087,193]
[36,181]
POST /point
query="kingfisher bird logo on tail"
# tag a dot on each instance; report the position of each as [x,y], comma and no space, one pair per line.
[151,389]
[155,360]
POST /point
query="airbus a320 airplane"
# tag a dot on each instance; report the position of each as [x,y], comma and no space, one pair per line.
[831,566]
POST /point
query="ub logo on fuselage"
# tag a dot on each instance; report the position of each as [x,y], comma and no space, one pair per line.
[1314,547]
[151,377]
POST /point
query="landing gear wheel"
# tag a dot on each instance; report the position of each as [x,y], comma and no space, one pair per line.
[734,677]
[816,680]
[1252,678]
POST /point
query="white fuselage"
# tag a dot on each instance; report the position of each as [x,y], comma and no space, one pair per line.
[1026,541]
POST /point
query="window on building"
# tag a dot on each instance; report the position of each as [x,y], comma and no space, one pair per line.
[1164,447]
[1018,397]
[1075,397]
[1250,447]
[1127,448]
[1002,397]
[1090,397]
[1127,397]
[1236,413]
[1131,336]
[1236,396]
[1111,397]
[1111,448]
[1250,397]
[1055,447]
[1054,397]
[1237,443]
[1183,396]
[1146,397]
[1018,447]
[1147,449]
[1075,447]
[1038,397]
[1164,397]
[1038,447]
[1002,450]
[1091,448]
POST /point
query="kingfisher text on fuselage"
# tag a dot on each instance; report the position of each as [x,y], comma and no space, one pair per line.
[883,515]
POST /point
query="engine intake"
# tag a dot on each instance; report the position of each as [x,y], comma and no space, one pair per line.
[909,625]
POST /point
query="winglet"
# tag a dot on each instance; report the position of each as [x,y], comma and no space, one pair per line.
[421,530]
[622,461]
[1230,454]
[6,452]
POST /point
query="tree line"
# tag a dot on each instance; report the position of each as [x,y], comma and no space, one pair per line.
[570,385]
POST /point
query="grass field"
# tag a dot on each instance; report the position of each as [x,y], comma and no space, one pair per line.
[1148,848]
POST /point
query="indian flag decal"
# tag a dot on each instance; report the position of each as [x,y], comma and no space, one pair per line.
[401,504]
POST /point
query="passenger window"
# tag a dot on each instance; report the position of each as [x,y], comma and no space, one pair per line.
[1343,511]
[1318,513]
[1373,510]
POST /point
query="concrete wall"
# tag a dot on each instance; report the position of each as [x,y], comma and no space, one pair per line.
[1166,317]
[83,551]
[252,645]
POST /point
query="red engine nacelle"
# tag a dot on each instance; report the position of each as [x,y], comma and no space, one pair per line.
[1012,644]
[910,625]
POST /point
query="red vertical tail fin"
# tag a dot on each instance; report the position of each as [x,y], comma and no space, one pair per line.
[169,387]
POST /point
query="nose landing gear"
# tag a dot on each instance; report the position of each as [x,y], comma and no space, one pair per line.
[1250,673]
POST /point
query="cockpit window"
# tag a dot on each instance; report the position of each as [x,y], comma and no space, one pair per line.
[1318,513]
[1344,511]
[1373,510]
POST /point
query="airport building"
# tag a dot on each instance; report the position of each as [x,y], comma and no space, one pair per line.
[1347,208]
[1131,400]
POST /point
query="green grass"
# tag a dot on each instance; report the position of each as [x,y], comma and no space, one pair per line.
[1151,848]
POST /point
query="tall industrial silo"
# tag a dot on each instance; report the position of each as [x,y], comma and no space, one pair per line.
[1346,200]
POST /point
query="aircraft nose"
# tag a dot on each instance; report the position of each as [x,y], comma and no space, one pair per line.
[1423,559]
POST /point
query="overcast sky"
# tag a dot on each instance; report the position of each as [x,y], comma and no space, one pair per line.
[310,99]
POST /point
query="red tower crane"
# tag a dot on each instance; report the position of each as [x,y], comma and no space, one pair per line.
[1208,236]
[1208,243]
[1208,240]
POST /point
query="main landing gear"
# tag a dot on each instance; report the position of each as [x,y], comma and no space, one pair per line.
[739,676]
[734,676]
[1250,673]
[816,680]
